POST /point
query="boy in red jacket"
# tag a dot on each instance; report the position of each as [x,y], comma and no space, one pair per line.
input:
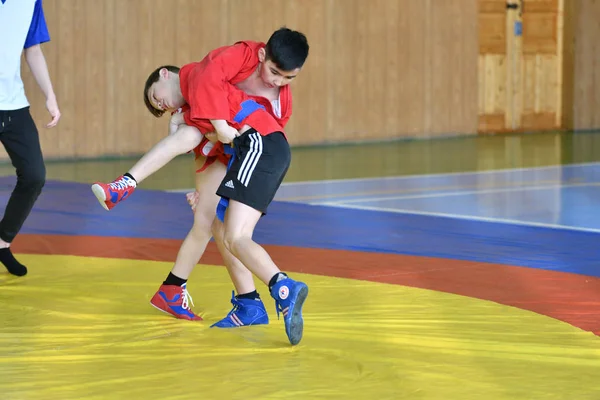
[263,72]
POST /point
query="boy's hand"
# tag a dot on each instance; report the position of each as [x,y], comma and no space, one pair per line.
[176,120]
[192,199]
[52,107]
[212,137]
[227,134]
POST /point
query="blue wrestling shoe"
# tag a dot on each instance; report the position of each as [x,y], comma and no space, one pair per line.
[289,297]
[245,312]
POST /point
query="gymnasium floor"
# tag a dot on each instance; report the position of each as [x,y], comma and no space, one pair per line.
[462,268]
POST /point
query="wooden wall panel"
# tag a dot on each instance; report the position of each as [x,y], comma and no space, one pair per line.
[452,48]
[567,68]
[586,68]
[493,80]
[378,69]
[542,58]
[540,28]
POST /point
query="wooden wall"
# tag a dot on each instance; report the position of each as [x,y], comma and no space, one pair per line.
[377,69]
[585,84]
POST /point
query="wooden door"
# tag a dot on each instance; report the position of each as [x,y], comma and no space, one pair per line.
[520,65]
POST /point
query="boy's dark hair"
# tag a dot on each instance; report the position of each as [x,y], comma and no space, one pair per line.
[153,78]
[288,49]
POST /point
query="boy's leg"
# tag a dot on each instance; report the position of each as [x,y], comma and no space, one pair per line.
[195,243]
[193,248]
[240,221]
[182,141]
[172,296]
[248,308]
[241,277]
[20,138]
[250,185]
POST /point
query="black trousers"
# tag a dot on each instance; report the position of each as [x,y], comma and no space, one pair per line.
[21,140]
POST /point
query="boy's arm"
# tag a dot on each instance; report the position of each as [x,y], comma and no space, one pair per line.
[39,69]
[38,34]
[211,78]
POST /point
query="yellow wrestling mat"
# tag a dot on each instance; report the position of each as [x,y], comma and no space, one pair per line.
[83,328]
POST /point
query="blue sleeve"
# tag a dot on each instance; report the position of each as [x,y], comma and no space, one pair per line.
[38,31]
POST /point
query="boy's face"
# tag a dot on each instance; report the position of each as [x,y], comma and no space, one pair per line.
[165,94]
[273,76]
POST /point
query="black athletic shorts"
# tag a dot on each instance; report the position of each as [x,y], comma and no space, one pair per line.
[259,168]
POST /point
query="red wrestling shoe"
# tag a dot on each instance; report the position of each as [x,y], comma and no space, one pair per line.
[175,300]
[109,194]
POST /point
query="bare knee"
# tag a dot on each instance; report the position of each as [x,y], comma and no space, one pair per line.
[187,136]
[229,241]
[232,239]
[240,221]
[202,224]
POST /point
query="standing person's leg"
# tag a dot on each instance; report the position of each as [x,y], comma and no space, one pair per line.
[250,185]
[248,308]
[19,135]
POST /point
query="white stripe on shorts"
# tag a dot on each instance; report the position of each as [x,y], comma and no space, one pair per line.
[251,159]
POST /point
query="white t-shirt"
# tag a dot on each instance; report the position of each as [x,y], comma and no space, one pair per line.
[276,104]
[22,25]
